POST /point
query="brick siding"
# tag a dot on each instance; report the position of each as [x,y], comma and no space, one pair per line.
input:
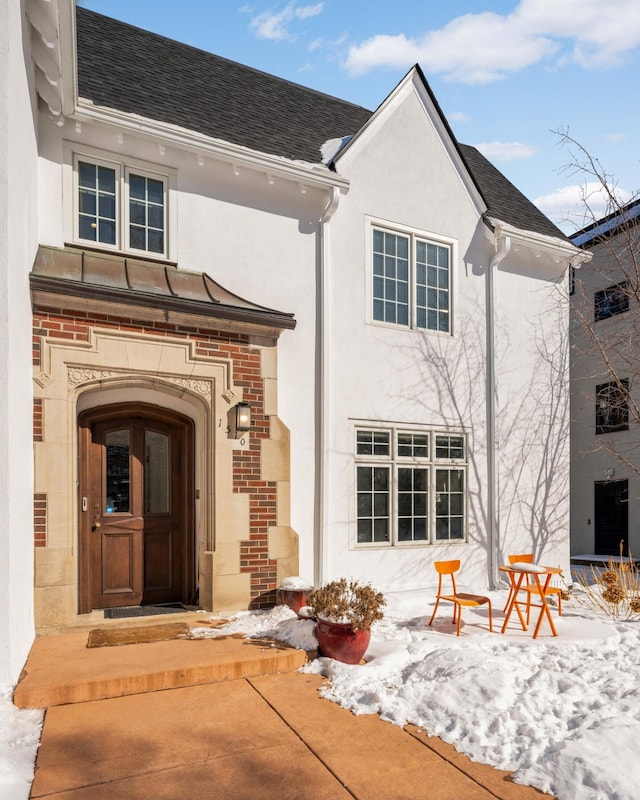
[55,323]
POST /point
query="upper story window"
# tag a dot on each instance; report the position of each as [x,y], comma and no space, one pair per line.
[119,207]
[612,407]
[411,281]
[410,487]
[611,301]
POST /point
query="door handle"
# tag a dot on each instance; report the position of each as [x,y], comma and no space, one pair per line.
[96,523]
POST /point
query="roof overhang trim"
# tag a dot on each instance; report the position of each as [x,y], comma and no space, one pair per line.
[300,172]
[53,51]
[559,251]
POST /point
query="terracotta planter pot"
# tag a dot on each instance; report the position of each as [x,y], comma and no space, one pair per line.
[340,641]
[294,598]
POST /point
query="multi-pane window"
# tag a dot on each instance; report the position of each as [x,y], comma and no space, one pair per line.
[146,213]
[120,208]
[411,281]
[410,487]
[97,200]
[612,407]
[611,301]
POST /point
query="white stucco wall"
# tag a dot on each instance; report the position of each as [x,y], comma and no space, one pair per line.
[18,240]
[401,174]
[532,337]
[261,239]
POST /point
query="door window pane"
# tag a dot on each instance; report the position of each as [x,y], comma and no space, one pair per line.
[117,489]
[156,473]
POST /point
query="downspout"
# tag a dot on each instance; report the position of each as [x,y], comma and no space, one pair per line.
[503,245]
[323,392]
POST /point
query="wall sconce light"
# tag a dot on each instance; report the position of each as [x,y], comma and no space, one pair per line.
[243,417]
[239,420]
[609,473]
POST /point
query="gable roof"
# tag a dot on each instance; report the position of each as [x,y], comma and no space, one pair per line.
[138,72]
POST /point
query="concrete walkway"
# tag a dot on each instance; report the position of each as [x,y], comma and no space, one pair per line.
[262,732]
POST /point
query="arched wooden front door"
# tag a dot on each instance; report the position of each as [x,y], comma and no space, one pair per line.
[136,529]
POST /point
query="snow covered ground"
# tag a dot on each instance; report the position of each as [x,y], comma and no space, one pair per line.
[562,713]
[19,739]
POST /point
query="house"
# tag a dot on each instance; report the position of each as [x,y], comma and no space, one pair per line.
[272,333]
[605,480]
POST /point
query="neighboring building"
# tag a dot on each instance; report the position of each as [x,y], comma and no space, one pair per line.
[192,236]
[605,369]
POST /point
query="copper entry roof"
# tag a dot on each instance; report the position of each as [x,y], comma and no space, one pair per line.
[147,290]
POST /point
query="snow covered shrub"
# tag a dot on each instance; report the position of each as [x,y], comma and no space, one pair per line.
[614,590]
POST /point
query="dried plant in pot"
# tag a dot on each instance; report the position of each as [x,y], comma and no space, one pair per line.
[345,611]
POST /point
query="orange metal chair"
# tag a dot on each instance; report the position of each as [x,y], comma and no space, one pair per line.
[459,599]
[530,587]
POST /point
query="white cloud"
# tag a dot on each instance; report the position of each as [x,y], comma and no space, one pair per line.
[458,116]
[484,47]
[573,207]
[505,151]
[309,11]
[275,25]
[616,137]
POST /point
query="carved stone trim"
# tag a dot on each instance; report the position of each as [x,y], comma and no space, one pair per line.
[201,387]
[77,375]
[43,379]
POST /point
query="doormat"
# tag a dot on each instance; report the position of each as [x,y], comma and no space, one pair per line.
[112,637]
[143,611]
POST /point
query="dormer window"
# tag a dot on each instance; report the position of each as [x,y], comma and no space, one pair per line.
[120,207]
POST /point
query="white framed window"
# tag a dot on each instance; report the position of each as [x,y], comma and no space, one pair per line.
[120,206]
[410,487]
[411,279]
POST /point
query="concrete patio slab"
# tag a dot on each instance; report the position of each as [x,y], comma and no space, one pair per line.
[216,741]
[266,738]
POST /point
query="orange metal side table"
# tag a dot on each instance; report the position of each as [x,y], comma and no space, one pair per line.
[516,576]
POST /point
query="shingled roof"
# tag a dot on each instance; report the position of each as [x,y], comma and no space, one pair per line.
[135,71]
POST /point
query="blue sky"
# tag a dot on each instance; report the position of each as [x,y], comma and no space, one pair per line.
[507,74]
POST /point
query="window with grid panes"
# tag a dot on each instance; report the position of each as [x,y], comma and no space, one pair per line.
[120,208]
[612,407]
[411,281]
[410,487]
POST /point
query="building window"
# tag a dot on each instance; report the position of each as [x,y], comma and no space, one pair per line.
[611,301]
[612,407]
[410,487]
[411,279]
[120,208]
